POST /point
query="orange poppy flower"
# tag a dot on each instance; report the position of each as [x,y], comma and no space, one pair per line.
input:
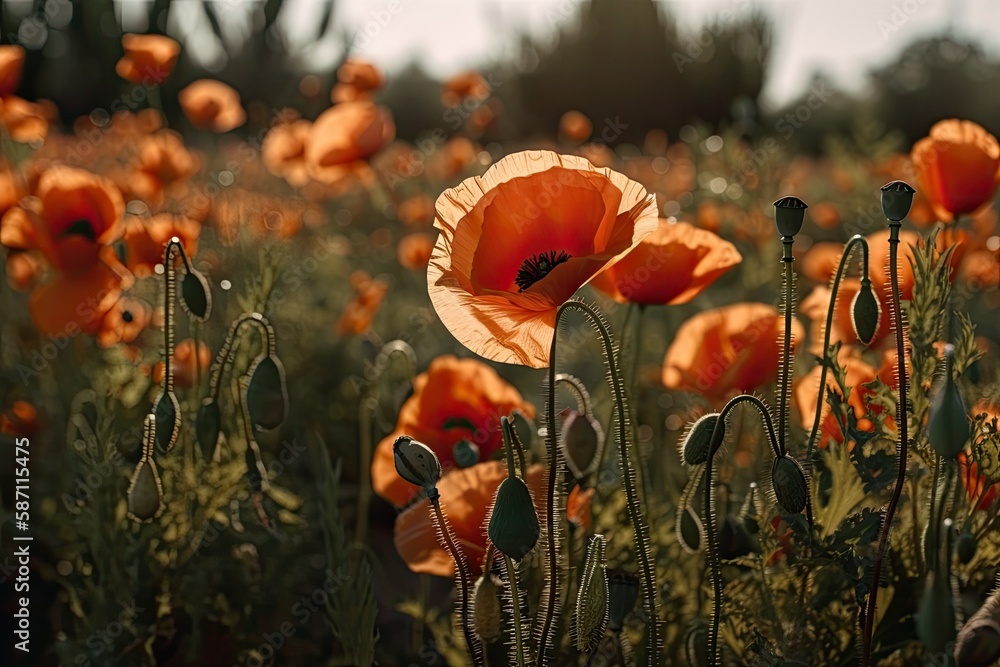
[578,507]
[957,165]
[453,400]
[11,64]
[670,266]
[360,74]
[416,211]
[23,270]
[20,419]
[414,251]
[575,126]
[807,389]
[146,239]
[162,161]
[363,306]
[184,365]
[212,105]
[730,349]
[981,269]
[284,151]
[466,497]
[124,322]
[520,240]
[148,59]
[11,189]
[70,220]
[452,159]
[346,133]
[467,85]
[25,122]
[342,92]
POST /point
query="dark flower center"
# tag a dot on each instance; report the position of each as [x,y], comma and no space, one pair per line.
[127,316]
[81,227]
[538,266]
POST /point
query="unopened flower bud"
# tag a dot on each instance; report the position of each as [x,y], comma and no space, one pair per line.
[947,422]
[486,608]
[865,312]
[513,526]
[789,484]
[698,445]
[416,463]
[592,602]
[580,440]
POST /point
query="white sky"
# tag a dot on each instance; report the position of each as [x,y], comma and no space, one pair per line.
[845,38]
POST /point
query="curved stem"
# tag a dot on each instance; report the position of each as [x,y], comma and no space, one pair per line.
[226,353]
[168,313]
[579,391]
[901,412]
[515,598]
[821,395]
[454,550]
[640,530]
[512,443]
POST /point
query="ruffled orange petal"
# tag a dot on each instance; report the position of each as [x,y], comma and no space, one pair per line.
[957,165]
[149,59]
[68,305]
[346,133]
[212,105]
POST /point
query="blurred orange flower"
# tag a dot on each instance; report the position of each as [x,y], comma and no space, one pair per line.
[453,400]
[26,122]
[730,349]
[416,211]
[957,165]
[284,151]
[578,507]
[23,270]
[520,240]
[11,188]
[124,322]
[20,419]
[670,266]
[466,496]
[575,126]
[162,161]
[148,59]
[467,85]
[363,306]
[360,74]
[146,238]
[452,158]
[212,105]
[344,134]
[185,365]
[414,251]
[11,64]
[69,221]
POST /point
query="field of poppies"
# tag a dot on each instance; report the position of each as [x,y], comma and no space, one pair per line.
[281,388]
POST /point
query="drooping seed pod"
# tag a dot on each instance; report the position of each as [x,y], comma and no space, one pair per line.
[788,215]
[416,462]
[698,445]
[865,312]
[513,527]
[267,393]
[623,592]
[465,453]
[936,615]
[592,602]
[580,440]
[145,493]
[696,643]
[897,197]
[965,547]
[690,530]
[948,424]
[196,297]
[789,483]
[208,426]
[167,412]
[486,608]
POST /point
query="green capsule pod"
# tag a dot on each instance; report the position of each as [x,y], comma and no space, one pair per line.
[965,547]
[208,426]
[698,445]
[167,412]
[897,197]
[948,424]
[267,394]
[513,527]
[865,312]
[196,297]
[789,483]
[591,616]
[416,462]
[465,453]
[145,494]
[690,530]
[580,440]
[789,213]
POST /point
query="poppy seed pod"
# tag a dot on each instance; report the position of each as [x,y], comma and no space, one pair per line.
[267,393]
[513,526]
[167,412]
[936,616]
[697,446]
[623,592]
[466,453]
[965,547]
[592,602]
[789,213]
[948,421]
[789,484]
[207,426]
[486,608]
[690,530]
[196,297]
[580,440]
[416,463]
[865,312]
[897,197]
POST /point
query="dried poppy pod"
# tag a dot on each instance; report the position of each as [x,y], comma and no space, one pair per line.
[789,212]
[513,527]
[948,420]
[416,463]
[580,441]
[897,197]
[698,445]
[591,616]
[865,312]
[486,608]
[789,483]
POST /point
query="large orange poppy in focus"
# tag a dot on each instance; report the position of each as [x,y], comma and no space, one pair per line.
[520,240]
[466,496]
[670,266]
[731,349]
[957,165]
[454,400]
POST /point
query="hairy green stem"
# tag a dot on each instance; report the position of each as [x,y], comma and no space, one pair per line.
[787,358]
[902,447]
[515,598]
